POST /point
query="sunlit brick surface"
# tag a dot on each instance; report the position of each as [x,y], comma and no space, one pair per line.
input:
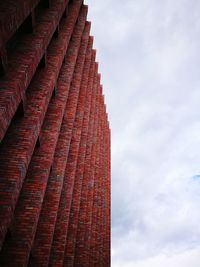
[54,138]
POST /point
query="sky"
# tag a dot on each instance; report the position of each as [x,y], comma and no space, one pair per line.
[149,58]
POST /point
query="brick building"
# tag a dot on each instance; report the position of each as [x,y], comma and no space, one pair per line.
[54,138]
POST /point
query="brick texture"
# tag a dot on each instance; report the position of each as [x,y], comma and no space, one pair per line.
[54,138]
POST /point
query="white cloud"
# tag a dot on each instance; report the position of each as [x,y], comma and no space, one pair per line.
[185,259]
[149,60]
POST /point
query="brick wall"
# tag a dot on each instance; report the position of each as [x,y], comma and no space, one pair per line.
[54,138]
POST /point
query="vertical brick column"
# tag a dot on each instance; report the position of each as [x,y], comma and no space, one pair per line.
[93,193]
[107,243]
[106,200]
[98,202]
[59,239]
[87,130]
[74,151]
[88,182]
[93,249]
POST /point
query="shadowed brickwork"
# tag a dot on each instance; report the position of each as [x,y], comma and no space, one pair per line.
[54,138]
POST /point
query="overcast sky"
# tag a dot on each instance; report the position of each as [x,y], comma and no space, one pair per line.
[149,54]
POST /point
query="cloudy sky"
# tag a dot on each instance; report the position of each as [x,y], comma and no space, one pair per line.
[149,54]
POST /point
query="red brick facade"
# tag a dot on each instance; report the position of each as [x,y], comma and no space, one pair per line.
[54,138]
